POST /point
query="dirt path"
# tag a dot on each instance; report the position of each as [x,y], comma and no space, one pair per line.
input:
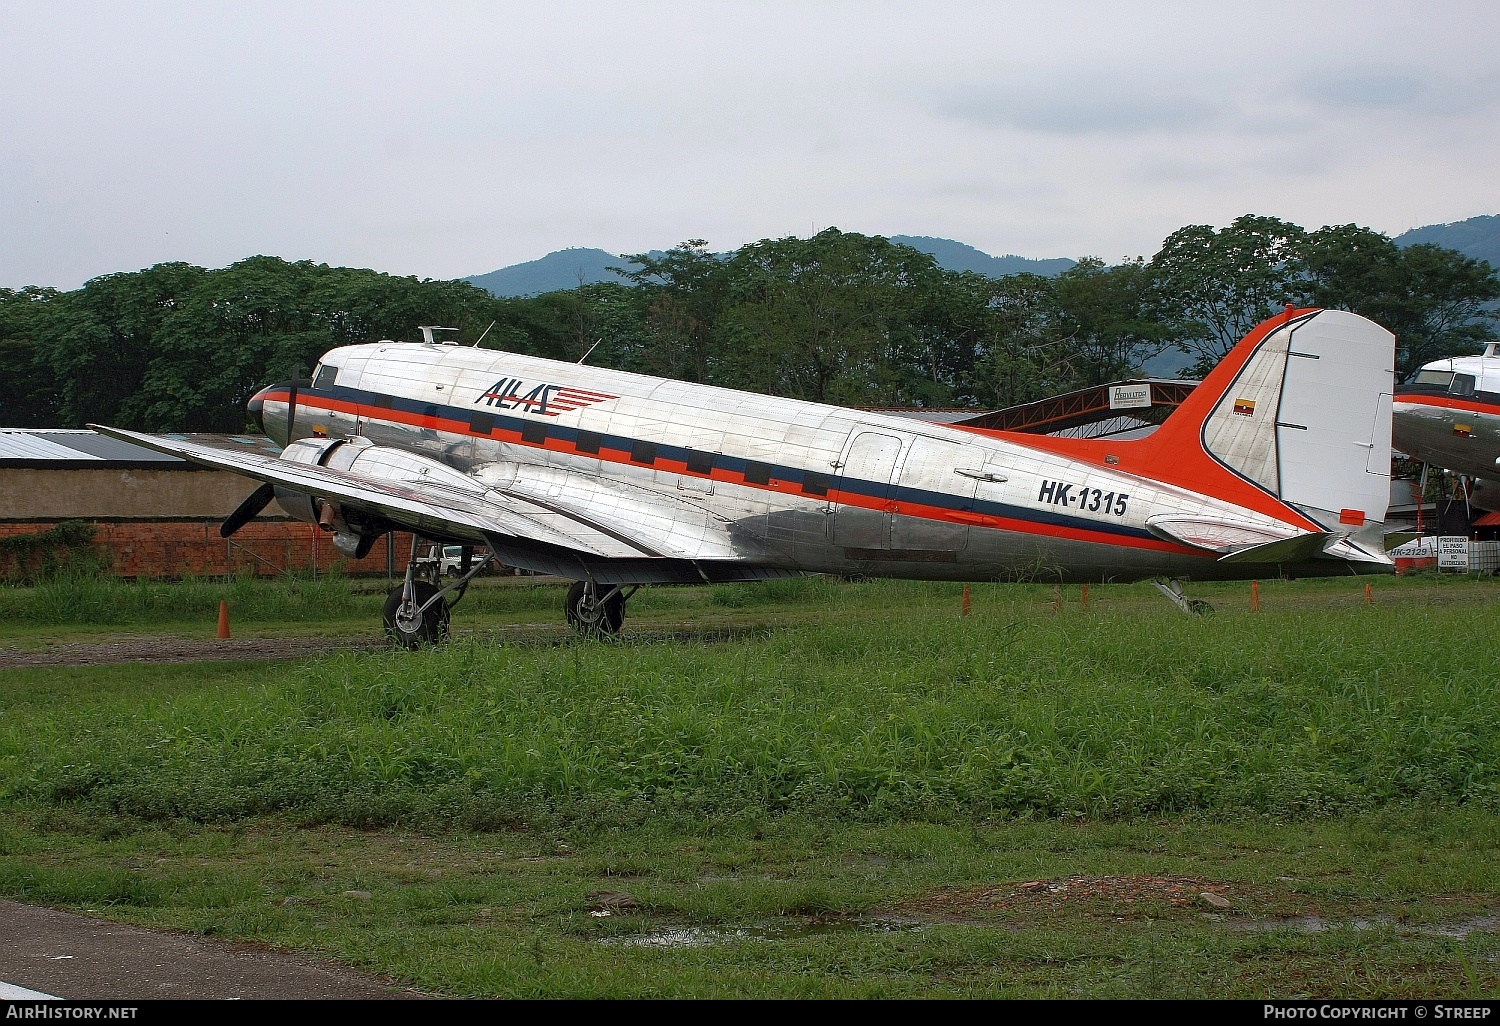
[78,958]
[179,650]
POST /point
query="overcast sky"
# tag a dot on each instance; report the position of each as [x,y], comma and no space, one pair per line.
[448,139]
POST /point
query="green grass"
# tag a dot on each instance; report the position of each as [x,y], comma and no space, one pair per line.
[871,713]
[798,906]
[830,782]
[89,601]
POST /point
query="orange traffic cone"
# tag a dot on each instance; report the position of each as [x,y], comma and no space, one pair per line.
[223,619]
[1369,596]
[965,611]
[1255,596]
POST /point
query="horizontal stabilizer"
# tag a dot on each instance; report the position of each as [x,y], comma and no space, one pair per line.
[1288,550]
[1221,534]
[1358,550]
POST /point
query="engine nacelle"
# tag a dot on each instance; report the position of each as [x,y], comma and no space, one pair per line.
[354,531]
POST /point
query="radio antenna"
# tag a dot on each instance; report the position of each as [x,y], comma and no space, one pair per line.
[585,356]
[482,334]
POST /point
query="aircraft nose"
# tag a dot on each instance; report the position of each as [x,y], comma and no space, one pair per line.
[256,407]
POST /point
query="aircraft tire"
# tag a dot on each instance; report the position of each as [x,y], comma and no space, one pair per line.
[431,630]
[604,618]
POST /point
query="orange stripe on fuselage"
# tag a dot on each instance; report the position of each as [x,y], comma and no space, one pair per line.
[938,513]
[1448,402]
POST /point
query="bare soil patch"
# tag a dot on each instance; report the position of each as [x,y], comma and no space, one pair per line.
[179,650]
[1112,891]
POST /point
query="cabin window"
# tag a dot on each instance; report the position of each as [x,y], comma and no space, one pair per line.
[590,441]
[533,431]
[643,452]
[757,473]
[327,374]
[699,462]
[814,483]
[481,423]
[1438,378]
[1463,384]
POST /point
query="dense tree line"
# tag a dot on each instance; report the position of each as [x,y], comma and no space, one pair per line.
[839,317]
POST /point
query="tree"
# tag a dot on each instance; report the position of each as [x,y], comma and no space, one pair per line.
[1436,300]
[105,337]
[1111,319]
[28,393]
[1217,285]
[832,318]
[1019,355]
[1441,306]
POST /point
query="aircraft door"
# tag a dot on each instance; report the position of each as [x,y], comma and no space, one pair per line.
[862,518]
[938,480]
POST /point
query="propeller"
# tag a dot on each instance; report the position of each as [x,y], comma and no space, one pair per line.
[291,402]
[248,510]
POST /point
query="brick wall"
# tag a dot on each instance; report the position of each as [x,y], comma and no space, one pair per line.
[167,548]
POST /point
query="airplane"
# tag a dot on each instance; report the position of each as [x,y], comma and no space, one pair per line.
[1448,416]
[1277,464]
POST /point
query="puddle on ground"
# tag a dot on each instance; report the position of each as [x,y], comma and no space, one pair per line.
[705,936]
[1456,930]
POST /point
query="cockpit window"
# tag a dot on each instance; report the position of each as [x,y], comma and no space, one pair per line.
[327,373]
[1463,384]
[1439,378]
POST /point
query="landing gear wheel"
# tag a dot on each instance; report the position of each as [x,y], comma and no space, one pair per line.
[430,628]
[588,614]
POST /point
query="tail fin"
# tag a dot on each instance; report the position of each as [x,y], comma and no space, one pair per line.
[1294,423]
[1302,409]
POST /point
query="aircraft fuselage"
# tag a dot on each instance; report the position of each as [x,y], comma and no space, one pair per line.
[709,473]
[1448,416]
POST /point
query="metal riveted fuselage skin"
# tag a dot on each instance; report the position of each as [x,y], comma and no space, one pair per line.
[793,485]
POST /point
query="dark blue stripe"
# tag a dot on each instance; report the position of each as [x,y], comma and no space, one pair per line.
[735,464]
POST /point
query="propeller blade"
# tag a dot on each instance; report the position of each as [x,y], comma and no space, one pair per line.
[248,510]
[291,405]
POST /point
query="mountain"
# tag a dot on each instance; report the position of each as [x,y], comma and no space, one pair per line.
[564,269]
[568,268]
[1477,237]
[956,256]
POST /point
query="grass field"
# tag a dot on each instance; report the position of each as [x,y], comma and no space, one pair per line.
[792,788]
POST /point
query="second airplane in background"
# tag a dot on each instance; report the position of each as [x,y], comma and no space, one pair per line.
[1448,416]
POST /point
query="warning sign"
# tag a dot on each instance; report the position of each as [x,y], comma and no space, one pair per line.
[1453,553]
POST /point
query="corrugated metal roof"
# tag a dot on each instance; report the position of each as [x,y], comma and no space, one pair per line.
[25,445]
[105,448]
[45,446]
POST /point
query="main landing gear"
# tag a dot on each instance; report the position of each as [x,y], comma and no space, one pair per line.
[416,613]
[596,609]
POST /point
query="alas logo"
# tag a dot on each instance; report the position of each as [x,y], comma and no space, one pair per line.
[547,399]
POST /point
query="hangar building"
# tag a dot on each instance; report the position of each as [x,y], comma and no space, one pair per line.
[154,515]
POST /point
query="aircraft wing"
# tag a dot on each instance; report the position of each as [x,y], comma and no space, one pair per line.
[608,542]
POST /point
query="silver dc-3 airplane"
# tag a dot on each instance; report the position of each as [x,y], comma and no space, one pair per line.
[1448,416]
[1279,462]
